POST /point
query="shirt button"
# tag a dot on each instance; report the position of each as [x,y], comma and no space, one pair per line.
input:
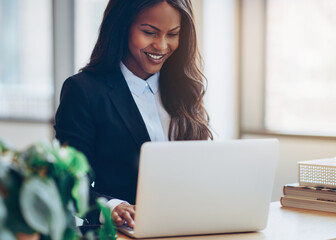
[146,84]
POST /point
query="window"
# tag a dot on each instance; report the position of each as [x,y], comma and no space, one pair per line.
[88,16]
[26,79]
[300,69]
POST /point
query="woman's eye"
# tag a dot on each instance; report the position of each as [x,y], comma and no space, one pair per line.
[173,34]
[149,33]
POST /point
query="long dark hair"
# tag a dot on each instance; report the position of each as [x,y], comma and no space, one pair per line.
[182,84]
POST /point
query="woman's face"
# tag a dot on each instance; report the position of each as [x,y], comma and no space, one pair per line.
[153,37]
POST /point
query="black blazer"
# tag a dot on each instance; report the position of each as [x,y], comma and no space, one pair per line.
[98,116]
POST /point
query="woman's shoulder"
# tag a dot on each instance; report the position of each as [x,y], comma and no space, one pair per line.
[86,81]
[86,78]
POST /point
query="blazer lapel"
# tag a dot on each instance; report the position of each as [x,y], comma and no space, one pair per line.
[123,101]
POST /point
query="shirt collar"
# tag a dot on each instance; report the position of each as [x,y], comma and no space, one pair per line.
[138,85]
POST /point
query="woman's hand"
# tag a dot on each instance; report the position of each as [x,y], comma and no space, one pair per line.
[123,212]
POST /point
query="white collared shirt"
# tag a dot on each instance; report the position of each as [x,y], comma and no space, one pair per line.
[147,97]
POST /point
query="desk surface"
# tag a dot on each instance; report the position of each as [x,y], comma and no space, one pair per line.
[283,223]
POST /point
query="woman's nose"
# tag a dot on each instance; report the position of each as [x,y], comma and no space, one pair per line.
[160,44]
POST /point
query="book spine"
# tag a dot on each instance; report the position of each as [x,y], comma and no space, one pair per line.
[309,193]
[308,204]
[281,201]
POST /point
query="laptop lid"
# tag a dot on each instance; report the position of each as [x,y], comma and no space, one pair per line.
[204,187]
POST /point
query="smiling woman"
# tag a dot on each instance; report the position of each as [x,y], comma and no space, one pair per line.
[142,83]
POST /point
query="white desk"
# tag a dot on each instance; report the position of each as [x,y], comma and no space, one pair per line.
[283,224]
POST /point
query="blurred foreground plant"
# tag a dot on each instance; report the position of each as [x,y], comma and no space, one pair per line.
[41,190]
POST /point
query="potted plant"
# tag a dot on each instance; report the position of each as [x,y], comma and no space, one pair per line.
[41,190]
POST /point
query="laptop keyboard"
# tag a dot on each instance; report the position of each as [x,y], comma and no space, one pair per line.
[126,228]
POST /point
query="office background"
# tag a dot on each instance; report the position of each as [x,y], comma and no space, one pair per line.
[270,66]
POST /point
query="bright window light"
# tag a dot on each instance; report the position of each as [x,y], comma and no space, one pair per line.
[26,82]
[300,66]
[88,16]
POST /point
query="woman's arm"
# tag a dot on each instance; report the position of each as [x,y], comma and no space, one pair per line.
[74,126]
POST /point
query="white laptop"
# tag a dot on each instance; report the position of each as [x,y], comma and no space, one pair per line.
[203,187]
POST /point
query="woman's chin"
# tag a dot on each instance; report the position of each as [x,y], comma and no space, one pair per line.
[154,69]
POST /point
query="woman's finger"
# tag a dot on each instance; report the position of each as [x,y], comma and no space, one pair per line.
[127,216]
[131,210]
[117,219]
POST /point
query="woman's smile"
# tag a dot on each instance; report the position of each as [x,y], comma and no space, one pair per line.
[155,58]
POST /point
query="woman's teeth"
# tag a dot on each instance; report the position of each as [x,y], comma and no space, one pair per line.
[156,57]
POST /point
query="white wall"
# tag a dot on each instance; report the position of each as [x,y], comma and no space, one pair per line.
[20,135]
[198,14]
[220,46]
[252,64]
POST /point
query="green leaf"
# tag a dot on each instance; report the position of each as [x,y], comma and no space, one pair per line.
[90,235]
[80,194]
[12,182]
[108,230]
[4,168]
[74,161]
[3,212]
[65,183]
[4,147]
[71,234]
[38,155]
[70,217]
[42,208]
[6,235]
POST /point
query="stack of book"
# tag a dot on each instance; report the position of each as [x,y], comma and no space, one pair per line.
[314,198]
[316,189]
